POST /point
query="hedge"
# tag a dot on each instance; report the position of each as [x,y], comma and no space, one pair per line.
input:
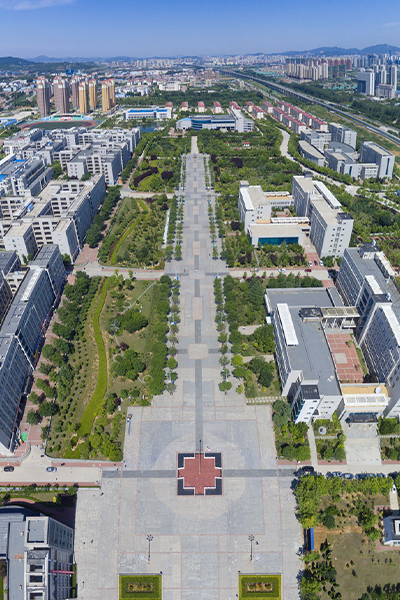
[101,387]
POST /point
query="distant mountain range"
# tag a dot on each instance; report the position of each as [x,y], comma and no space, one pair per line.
[10,62]
[336,51]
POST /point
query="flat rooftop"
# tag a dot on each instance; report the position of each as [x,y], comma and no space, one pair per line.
[311,354]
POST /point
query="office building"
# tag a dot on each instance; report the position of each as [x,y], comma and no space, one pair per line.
[370,152]
[393,76]
[318,139]
[255,205]
[61,95]
[83,98]
[20,336]
[305,363]
[21,239]
[342,134]
[366,281]
[366,82]
[330,226]
[43,91]
[20,177]
[38,551]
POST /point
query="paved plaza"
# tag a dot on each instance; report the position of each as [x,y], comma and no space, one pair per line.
[200,542]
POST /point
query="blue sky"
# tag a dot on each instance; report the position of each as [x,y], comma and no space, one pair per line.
[88,28]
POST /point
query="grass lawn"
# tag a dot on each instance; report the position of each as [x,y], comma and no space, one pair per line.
[259,587]
[370,566]
[140,586]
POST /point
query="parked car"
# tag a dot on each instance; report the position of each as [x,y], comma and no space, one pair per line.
[361,476]
[348,476]
[315,262]
[51,469]
[321,262]
[394,488]
[307,470]
[308,270]
[337,474]
[8,469]
[282,270]
[310,263]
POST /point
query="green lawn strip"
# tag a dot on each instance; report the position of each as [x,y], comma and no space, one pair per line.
[101,387]
[73,582]
[122,239]
[259,587]
[1,588]
[143,204]
[140,586]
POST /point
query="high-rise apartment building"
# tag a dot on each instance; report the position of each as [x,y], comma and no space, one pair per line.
[83,98]
[75,91]
[93,94]
[43,96]
[61,95]
[108,94]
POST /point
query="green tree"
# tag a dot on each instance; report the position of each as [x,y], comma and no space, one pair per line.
[32,417]
[281,414]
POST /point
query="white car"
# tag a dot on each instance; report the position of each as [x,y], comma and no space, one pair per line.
[321,262]
[310,263]
[282,270]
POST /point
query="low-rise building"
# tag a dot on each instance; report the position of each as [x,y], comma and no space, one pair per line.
[391,530]
[153,112]
[309,152]
[38,551]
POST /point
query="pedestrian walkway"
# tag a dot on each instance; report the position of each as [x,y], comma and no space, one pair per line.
[199,540]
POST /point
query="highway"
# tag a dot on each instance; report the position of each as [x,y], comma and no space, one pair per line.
[310,99]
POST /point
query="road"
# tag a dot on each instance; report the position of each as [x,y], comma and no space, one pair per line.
[310,99]
[32,469]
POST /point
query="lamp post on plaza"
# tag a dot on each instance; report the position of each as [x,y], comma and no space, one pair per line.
[251,539]
[149,539]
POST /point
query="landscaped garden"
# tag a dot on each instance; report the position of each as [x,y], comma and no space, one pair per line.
[291,439]
[110,352]
[390,443]
[330,439]
[135,238]
[160,169]
[140,586]
[346,517]
[259,587]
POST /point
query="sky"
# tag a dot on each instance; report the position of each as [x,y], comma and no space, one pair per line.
[102,28]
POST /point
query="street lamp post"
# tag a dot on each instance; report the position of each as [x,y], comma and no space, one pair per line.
[149,539]
[251,539]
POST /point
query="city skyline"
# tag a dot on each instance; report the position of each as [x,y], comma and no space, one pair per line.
[133,30]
